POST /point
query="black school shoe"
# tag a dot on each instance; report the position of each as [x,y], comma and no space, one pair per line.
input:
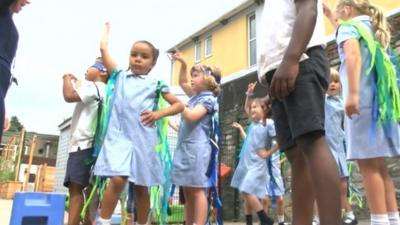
[349,221]
[269,221]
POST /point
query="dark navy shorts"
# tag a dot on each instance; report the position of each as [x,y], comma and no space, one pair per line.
[77,171]
[302,111]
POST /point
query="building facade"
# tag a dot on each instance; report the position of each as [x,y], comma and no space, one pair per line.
[62,156]
[44,153]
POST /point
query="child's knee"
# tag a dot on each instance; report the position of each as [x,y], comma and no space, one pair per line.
[279,199]
[118,183]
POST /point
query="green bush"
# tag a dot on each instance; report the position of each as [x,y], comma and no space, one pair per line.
[6,175]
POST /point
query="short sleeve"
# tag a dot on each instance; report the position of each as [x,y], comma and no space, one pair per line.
[271,128]
[346,32]
[165,88]
[209,103]
[87,92]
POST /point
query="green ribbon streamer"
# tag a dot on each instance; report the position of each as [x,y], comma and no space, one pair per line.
[387,90]
[159,194]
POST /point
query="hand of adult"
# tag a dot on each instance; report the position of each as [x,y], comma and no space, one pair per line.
[284,79]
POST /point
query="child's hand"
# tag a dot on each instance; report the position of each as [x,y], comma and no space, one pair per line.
[236,125]
[251,87]
[284,79]
[104,38]
[352,105]
[178,56]
[149,117]
[327,11]
[69,76]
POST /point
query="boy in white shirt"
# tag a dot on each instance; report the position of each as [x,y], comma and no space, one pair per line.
[87,95]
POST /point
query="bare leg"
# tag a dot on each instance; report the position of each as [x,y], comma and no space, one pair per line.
[343,195]
[253,203]
[324,176]
[265,203]
[247,212]
[189,207]
[302,204]
[374,184]
[142,204]
[200,205]
[111,196]
[280,209]
[76,203]
[390,193]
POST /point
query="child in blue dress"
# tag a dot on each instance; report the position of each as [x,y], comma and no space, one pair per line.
[250,176]
[275,186]
[366,140]
[128,151]
[193,152]
[335,137]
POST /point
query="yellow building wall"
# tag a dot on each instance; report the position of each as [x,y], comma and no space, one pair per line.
[387,5]
[230,43]
[229,49]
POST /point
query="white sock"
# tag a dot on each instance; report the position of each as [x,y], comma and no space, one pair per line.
[315,220]
[101,221]
[379,219]
[394,218]
[349,215]
[281,218]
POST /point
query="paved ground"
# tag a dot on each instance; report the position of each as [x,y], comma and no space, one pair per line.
[6,207]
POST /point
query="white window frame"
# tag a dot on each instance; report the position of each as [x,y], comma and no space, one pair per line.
[197,51]
[206,50]
[251,39]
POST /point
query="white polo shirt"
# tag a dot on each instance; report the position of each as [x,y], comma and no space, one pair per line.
[84,118]
[276,30]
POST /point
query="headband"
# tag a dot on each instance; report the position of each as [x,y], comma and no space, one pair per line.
[100,67]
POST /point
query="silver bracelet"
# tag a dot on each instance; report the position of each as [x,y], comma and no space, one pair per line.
[249,93]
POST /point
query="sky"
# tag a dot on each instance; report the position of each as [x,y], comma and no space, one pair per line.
[62,36]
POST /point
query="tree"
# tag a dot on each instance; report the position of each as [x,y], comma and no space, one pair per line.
[15,125]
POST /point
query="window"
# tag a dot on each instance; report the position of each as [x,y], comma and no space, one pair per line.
[26,148]
[252,40]
[47,149]
[197,51]
[208,46]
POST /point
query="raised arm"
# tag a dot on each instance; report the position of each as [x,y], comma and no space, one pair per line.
[69,93]
[329,15]
[105,54]
[240,128]
[249,97]
[184,82]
